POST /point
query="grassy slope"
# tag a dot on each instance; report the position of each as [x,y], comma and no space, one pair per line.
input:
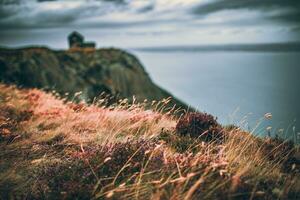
[53,149]
[113,71]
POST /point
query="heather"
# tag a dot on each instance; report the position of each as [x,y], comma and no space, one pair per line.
[53,148]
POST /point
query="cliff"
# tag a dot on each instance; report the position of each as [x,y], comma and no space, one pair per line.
[112,71]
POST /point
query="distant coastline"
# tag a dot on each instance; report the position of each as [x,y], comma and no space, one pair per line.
[263,47]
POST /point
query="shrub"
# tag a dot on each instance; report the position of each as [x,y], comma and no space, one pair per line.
[199,125]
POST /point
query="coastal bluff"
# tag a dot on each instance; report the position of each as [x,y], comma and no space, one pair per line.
[113,71]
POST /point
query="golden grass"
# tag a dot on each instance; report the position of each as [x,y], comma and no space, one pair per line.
[55,149]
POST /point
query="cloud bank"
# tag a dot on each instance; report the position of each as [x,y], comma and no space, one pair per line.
[49,13]
[188,19]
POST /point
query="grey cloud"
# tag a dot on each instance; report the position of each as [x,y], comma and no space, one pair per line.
[5,13]
[218,5]
[9,2]
[38,20]
[262,5]
[30,16]
[15,14]
[147,8]
[5,2]
[45,0]
[288,17]
[115,1]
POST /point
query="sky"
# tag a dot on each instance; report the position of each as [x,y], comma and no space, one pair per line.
[149,23]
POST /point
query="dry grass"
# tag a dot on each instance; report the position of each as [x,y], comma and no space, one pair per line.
[54,149]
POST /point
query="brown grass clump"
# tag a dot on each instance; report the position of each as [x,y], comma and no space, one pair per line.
[54,149]
[199,125]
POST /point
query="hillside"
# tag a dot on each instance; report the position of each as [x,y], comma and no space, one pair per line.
[53,148]
[113,71]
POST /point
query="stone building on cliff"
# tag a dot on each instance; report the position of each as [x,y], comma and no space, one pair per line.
[76,41]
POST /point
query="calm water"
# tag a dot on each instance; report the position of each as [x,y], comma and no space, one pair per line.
[237,87]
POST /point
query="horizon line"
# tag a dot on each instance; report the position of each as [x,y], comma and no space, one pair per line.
[256,47]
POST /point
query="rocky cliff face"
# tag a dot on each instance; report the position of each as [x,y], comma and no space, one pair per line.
[113,71]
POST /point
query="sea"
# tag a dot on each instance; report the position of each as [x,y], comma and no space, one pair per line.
[258,91]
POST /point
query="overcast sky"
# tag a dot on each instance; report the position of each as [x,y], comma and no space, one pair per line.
[138,23]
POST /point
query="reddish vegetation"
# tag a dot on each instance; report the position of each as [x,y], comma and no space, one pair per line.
[54,149]
[200,125]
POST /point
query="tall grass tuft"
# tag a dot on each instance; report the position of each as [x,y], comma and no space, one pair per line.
[52,148]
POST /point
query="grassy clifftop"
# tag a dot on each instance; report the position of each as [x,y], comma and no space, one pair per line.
[113,71]
[52,148]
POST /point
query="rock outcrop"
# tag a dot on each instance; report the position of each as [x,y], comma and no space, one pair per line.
[113,71]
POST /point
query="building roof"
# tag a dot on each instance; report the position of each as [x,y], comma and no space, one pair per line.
[75,34]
